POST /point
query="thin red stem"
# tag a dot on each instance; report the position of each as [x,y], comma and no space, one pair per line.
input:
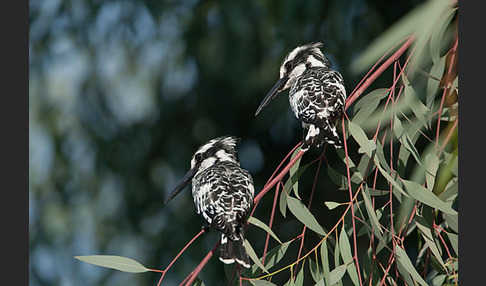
[178,255]
[198,269]
[270,223]
[379,71]
[352,205]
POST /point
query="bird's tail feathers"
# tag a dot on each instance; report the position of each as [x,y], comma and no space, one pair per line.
[231,251]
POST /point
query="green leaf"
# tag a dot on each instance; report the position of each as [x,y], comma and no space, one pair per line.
[419,18]
[282,203]
[435,73]
[452,222]
[332,205]
[337,274]
[453,238]
[404,261]
[253,255]
[302,213]
[429,240]
[276,254]
[336,262]
[345,248]
[368,104]
[437,34]
[372,214]
[299,280]
[367,146]
[314,270]
[438,280]
[262,283]
[262,225]
[403,137]
[389,178]
[422,195]
[293,170]
[292,181]
[431,163]
[115,262]
[325,262]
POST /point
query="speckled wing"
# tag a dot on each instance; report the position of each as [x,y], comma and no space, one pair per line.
[223,194]
[319,94]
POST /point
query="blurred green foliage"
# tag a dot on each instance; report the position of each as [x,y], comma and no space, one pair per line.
[122,92]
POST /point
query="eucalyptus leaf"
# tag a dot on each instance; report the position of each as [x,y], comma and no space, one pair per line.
[367,146]
[251,252]
[337,274]
[345,248]
[325,262]
[422,195]
[262,225]
[404,261]
[368,103]
[332,205]
[115,262]
[302,213]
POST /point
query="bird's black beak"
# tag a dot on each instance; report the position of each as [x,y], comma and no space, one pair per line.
[187,178]
[276,89]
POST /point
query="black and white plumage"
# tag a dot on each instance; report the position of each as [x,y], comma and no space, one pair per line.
[223,194]
[317,94]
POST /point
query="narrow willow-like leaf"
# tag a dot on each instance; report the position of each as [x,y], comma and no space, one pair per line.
[272,258]
[325,262]
[115,262]
[410,23]
[429,240]
[299,280]
[337,274]
[436,72]
[372,214]
[302,213]
[262,225]
[366,146]
[345,248]
[407,264]
[336,264]
[332,205]
[422,195]
[294,179]
[314,270]
[403,137]
[368,104]
[437,34]
[452,222]
[282,203]
[253,255]
[389,178]
[453,238]
[293,170]
[262,283]
[431,162]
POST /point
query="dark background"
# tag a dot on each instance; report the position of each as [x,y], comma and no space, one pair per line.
[121,93]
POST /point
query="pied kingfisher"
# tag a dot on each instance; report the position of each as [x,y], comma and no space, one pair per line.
[223,194]
[317,94]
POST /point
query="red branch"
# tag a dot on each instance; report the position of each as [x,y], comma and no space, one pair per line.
[177,256]
[203,262]
[352,205]
[352,98]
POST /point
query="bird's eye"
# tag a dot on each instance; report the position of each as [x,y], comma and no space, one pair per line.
[288,65]
[198,157]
